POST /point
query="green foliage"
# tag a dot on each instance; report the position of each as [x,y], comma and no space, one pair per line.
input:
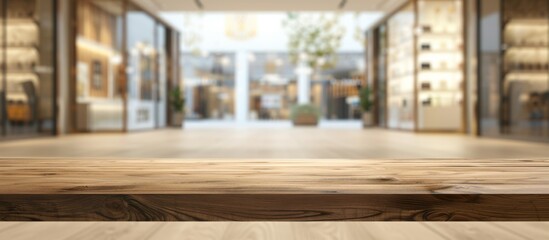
[365,99]
[314,38]
[304,110]
[177,101]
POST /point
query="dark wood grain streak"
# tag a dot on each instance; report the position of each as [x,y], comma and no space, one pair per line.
[275,207]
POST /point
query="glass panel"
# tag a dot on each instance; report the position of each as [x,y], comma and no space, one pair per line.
[209,85]
[161,100]
[29,66]
[272,90]
[525,100]
[400,81]
[489,63]
[142,68]
[99,65]
[381,73]
[336,94]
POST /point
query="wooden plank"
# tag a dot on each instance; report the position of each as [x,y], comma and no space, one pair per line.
[274,190]
[270,230]
[92,176]
[275,207]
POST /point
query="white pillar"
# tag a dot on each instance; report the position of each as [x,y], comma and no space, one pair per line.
[64,34]
[303,84]
[242,87]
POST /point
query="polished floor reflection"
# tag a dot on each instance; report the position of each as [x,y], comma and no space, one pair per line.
[274,143]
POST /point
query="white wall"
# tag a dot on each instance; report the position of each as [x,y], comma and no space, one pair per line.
[271,35]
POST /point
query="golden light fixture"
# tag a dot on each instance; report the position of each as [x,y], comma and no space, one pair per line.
[241,27]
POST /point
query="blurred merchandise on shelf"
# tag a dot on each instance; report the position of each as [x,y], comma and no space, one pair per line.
[418,67]
[27,85]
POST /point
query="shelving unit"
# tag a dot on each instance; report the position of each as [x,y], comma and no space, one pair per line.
[425,66]
[22,55]
[525,67]
[440,65]
[28,63]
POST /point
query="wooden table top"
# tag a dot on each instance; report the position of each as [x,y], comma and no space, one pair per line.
[338,176]
[273,190]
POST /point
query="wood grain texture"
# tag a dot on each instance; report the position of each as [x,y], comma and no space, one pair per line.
[273,207]
[270,230]
[336,176]
[283,190]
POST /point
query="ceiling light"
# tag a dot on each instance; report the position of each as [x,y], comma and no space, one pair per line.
[342,4]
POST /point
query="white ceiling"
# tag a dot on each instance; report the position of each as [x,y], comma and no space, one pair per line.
[271,5]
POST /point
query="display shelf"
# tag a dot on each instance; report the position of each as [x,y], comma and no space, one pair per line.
[527,72]
[444,61]
[23,47]
[22,21]
[440,71]
[439,35]
[448,91]
[425,45]
[526,21]
[21,72]
[440,52]
[525,47]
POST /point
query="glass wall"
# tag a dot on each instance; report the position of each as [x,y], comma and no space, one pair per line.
[141,69]
[99,66]
[209,85]
[419,67]
[514,68]
[27,58]
[122,67]
[161,87]
[400,69]
[336,94]
[489,59]
[273,88]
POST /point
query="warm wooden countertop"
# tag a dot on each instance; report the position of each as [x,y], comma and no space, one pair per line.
[287,190]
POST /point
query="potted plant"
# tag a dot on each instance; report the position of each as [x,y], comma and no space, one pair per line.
[305,115]
[177,102]
[366,106]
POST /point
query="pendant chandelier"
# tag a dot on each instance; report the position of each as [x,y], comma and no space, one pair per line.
[241,27]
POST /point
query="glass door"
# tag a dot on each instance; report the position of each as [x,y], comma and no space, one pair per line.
[400,69]
[142,68]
